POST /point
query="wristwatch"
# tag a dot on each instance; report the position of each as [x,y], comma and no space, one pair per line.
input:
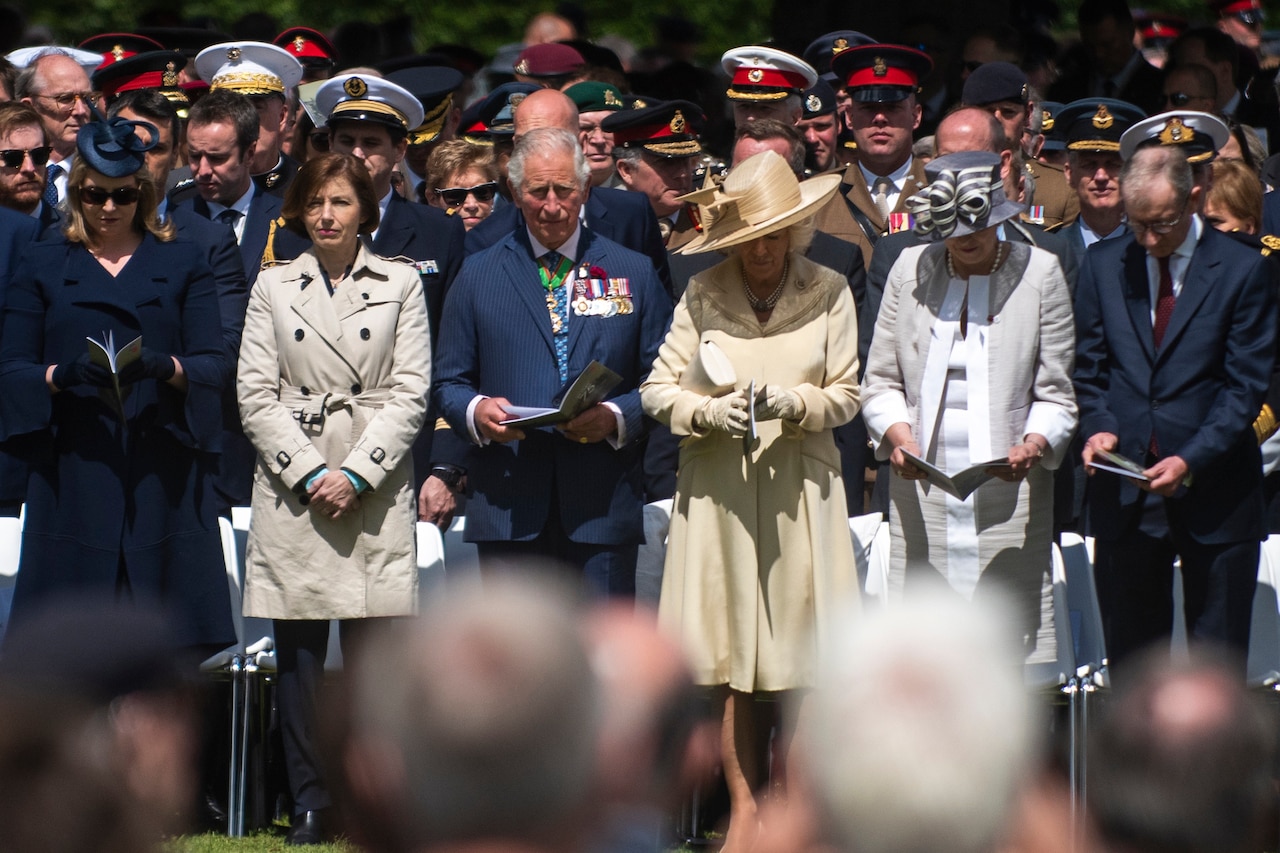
[450,475]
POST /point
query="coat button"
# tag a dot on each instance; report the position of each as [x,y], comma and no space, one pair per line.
[355,389]
[305,391]
[298,334]
[364,334]
[364,296]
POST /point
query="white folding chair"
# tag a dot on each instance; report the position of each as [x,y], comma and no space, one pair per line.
[870,534]
[652,555]
[461,558]
[1263,668]
[431,575]
[1058,673]
[10,554]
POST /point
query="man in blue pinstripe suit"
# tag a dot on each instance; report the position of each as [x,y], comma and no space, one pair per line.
[517,325]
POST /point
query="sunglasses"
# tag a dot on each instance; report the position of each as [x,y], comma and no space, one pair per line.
[97,196]
[1180,99]
[14,157]
[457,196]
[1250,17]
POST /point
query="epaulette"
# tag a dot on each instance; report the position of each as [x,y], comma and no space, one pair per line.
[1264,426]
[1270,243]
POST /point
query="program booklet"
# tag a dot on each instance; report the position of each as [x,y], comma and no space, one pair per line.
[1114,463]
[105,354]
[961,484]
[591,386]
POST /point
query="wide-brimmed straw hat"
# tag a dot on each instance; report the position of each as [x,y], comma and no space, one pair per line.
[965,195]
[760,195]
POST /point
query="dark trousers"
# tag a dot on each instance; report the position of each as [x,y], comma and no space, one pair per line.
[301,648]
[1134,575]
[605,570]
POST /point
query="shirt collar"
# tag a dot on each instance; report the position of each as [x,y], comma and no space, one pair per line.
[240,205]
[896,177]
[568,249]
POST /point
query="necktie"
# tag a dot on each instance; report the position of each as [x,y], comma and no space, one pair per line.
[558,307]
[1164,301]
[880,195]
[229,218]
[51,188]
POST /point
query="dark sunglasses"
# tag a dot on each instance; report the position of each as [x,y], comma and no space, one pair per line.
[13,157]
[97,196]
[1180,99]
[320,140]
[457,196]
[1250,17]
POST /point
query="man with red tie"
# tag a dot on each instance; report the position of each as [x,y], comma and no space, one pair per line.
[1176,332]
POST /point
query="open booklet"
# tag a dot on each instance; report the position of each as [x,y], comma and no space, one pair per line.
[1114,463]
[591,386]
[105,354]
[961,484]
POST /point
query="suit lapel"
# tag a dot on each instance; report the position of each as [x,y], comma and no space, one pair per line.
[262,209]
[522,277]
[1134,284]
[393,236]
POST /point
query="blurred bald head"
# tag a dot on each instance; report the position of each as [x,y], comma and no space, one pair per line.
[545,108]
[969,129]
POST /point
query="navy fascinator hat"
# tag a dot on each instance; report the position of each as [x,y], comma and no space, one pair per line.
[112,147]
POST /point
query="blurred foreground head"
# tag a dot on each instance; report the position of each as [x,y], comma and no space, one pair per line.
[1182,761]
[478,722]
[921,732]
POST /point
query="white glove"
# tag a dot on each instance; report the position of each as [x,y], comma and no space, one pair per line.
[728,414]
[774,402]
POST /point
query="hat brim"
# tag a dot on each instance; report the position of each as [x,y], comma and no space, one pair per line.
[814,193]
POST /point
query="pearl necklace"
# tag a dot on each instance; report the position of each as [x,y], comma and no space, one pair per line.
[763,305]
[1002,249]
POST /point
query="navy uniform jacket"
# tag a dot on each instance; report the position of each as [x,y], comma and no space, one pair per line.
[496,340]
[624,217]
[16,231]
[429,238]
[235,481]
[1198,394]
[219,244]
[276,181]
[103,495]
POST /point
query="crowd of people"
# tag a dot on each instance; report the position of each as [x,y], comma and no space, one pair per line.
[543,291]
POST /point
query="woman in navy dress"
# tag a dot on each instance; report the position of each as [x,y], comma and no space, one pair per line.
[119,500]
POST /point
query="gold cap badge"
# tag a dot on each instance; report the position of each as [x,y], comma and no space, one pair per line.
[677,123]
[299,43]
[1103,119]
[233,54]
[1175,132]
[522,67]
[839,45]
[355,87]
[170,76]
[755,75]
[1046,120]
[813,103]
[612,100]
[878,67]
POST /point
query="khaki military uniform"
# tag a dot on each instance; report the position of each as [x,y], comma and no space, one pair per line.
[1060,202]
[835,217]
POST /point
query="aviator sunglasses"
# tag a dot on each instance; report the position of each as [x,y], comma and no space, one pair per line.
[98,196]
[13,157]
[457,196]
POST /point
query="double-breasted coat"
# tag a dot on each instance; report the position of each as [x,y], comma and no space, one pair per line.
[336,381]
[114,501]
[759,555]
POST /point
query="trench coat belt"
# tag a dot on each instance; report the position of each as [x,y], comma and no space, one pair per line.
[311,408]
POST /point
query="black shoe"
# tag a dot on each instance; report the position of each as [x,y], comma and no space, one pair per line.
[306,828]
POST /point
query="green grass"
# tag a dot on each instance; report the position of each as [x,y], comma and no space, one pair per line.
[262,842]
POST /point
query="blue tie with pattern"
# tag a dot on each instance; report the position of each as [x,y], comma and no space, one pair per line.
[51,173]
[558,306]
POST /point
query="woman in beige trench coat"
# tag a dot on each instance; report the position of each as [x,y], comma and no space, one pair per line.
[334,373]
[759,554]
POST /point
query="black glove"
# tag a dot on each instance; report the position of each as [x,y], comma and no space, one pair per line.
[81,371]
[150,365]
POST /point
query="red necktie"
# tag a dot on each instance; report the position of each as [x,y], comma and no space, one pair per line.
[1164,301]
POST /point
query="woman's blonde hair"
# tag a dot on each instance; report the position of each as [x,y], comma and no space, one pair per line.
[145,215]
[454,156]
[1236,187]
[800,234]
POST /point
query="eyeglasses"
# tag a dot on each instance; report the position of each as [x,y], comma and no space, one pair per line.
[67,100]
[1251,17]
[97,196]
[13,158]
[320,140]
[1158,228]
[457,196]
[1181,99]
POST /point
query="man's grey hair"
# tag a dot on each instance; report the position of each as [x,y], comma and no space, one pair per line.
[1146,166]
[27,85]
[922,732]
[548,141]
[490,711]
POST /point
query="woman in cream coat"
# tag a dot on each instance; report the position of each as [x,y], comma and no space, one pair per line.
[759,553]
[334,373]
[959,387]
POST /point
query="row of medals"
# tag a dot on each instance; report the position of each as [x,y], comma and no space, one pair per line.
[614,297]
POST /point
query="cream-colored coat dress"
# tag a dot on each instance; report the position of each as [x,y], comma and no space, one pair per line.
[362,357]
[759,555]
